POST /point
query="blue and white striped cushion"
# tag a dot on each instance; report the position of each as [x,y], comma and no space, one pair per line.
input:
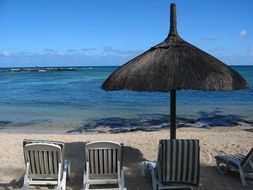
[234,160]
[178,161]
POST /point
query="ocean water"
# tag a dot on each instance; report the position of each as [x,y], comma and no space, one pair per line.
[72,97]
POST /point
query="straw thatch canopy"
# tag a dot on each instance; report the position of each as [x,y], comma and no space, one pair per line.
[174,64]
[171,65]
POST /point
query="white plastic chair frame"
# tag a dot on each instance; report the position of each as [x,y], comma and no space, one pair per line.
[44,164]
[103,164]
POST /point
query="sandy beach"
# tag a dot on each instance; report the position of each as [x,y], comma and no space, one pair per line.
[139,146]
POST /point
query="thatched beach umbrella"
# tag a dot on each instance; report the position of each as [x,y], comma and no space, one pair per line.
[172,65]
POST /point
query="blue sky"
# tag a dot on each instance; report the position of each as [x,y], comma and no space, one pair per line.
[110,32]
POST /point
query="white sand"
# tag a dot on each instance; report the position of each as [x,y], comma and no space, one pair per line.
[139,146]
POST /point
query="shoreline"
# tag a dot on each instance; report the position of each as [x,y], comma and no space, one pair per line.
[139,146]
[104,129]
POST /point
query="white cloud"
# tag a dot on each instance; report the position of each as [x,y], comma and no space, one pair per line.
[109,49]
[53,52]
[217,49]
[107,55]
[210,38]
[243,33]
[235,58]
[71,50]
[49,50]
[60,53]
[5,54]
[88,49]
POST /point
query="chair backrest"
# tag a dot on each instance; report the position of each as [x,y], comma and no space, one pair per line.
[103,159]
[178,161]
[45,158]
[247,161]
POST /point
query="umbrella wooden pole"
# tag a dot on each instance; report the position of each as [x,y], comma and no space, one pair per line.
[173,114]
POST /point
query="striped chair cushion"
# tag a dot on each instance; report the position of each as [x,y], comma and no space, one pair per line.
[232,160]
[236,160]
[178,162]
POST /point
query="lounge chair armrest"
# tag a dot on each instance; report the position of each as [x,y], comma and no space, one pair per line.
[66,164]
[122,179]
[154,180]
[66,170]
[234,162]
[25,184]
[85,176]
[147,167]
[65,175]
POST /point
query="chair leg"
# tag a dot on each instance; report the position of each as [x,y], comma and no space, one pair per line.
[154,182]
[68,172]
[65,176]
[144,169]
[26,184]
[122,180]
[86,186]
[242,175]
[85,180]
[218,165]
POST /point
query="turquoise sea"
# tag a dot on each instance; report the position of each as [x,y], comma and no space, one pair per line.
[59,97]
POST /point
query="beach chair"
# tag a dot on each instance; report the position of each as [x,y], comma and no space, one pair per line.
[237,162]
[45,164]
[103,165]
[177,165]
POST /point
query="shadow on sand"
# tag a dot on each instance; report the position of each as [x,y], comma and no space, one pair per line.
[210,179]
[152,122]
[249,130]
[132,164]
[209,176]
[15,183]
[75,153]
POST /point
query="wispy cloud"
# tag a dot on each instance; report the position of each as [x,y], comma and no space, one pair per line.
[104,51]
[217,49]
[5,54]
[53,52]
[109,49]
[88,49]
[49,50]
[106,55]
[243,33]
[210,38]
[71,50]
[80,58]
[235,58]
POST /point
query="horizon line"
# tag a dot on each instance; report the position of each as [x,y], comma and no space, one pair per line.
[84,66]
